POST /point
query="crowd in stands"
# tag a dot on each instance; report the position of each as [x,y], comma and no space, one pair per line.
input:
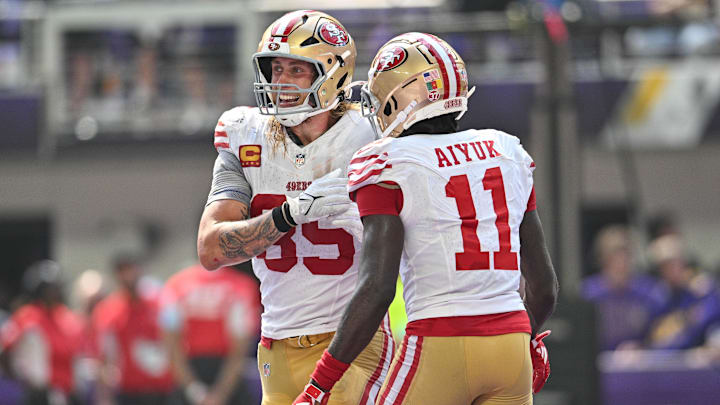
[671,304]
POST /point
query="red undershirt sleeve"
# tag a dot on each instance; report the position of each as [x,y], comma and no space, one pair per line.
[531,205]
[377,200]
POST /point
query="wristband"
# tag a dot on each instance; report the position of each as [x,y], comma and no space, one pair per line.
[281,224]
[328,371]
[286,214]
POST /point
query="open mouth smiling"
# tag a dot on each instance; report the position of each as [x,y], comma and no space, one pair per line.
[288,100]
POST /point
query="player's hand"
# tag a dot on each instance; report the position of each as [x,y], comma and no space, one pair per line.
[349,220]
[326,196]
[540,361]
[313,395]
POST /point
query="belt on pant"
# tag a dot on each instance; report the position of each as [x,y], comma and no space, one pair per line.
[302,341]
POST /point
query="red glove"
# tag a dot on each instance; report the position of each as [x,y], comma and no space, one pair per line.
[312,395]
[540,361]
[328,371]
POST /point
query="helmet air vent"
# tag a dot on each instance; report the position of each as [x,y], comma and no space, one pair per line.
[342,81]
[309,41]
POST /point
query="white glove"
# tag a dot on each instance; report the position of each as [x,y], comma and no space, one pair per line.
[349,220]
[326,196]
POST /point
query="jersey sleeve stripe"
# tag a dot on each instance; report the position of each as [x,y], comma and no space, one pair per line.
[363,158]
[376,172]
[222,145]
[220,134]
[358,171]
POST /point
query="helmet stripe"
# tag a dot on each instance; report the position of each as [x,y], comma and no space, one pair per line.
[443,59]
[455,68]
[279,28]
[285,24]
[274,30]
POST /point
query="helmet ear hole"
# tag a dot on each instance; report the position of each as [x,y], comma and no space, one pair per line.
[388,109]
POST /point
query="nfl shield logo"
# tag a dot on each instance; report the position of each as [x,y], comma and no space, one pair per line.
[299,159]
[266,369]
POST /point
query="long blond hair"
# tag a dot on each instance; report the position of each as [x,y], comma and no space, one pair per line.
[277,136]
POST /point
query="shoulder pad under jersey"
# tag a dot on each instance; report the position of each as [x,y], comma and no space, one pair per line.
[237,126]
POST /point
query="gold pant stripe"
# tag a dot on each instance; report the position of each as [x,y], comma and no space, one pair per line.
[467,370]
[375,382]
[406,368]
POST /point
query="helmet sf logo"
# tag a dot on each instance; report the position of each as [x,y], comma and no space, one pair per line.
[333,34]
[391,58]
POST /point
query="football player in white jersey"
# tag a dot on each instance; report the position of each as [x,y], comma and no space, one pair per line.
[453,213]
[279,197]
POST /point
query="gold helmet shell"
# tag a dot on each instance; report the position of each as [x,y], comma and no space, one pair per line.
[313,37]
[413,77]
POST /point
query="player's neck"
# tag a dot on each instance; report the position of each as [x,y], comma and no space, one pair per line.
[311,129]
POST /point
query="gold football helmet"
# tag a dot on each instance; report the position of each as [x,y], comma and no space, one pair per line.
[413,77]
[313,37]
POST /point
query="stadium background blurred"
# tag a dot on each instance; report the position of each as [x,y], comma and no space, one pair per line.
[107,109]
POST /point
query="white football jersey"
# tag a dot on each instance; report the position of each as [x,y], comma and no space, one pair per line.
[464,197]
[306,278]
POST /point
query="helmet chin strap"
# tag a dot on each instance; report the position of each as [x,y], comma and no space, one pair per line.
[402,116]
[292,120]
[470,93]
[432,110]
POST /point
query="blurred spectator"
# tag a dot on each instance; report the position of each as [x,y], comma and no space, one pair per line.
[210,320]
[87,291]
[681,7]
[43,338]
[661,224]
[623,299]
[135,366]
[80,82]
[690,309]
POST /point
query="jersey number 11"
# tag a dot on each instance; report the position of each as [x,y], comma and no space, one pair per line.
[473,257]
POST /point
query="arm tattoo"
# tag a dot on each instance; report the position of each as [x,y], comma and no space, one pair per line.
[250,237]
